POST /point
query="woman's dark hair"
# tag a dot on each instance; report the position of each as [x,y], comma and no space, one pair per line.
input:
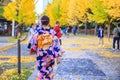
[37,25]
[57,22]
[45,20]
[31,25]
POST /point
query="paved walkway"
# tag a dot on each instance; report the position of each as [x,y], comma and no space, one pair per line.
[86,64]
[81,61]
[4,39]
[4,44]
[34,75]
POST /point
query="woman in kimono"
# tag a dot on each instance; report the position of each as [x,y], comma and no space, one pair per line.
[47,50]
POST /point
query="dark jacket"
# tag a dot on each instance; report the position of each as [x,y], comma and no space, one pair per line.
[115,32]
[100,33]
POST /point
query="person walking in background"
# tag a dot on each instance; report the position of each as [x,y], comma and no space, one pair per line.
[116,37]
[101,36]
[64,31]
[31,33]
[47,48]
[74,30]
[58,31]
[36,27]
[67,31]
[59,35]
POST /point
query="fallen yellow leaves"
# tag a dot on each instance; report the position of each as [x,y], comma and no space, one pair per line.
[13,59]
[8,47]
[108,54]
[72,49]
[90,43]
[25,41]
[12,74]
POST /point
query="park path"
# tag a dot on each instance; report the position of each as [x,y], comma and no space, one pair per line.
[83,60]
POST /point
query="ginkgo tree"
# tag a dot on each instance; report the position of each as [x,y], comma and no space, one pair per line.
[105,12]
[72,19]
[113,10]
[22,11]
[53,11]
[75,12]
[49,13]
[82,9]
[96,13]
[64,12]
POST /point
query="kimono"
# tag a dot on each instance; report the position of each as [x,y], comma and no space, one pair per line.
[45,58]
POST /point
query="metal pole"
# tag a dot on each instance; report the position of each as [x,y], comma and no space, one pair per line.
[13,25]
[19,57]
[13,28]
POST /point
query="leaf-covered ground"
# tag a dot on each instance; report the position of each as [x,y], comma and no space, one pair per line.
[9,59]
[85,59]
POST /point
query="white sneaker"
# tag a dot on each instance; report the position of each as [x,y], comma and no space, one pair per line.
[113,49]
[118,49]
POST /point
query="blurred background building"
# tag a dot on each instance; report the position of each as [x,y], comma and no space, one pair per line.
[5,26]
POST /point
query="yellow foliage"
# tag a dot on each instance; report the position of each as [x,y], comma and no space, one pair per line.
[77,11]
[53,11]
[72,20]
[63,11]
[81,9]
[12,74]
[13,59]
[74,11]
[22,11]
[98,12]
[91,44]
[108,54]
[10,11]
[112,8]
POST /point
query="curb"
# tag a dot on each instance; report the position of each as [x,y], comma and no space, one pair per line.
[33,75]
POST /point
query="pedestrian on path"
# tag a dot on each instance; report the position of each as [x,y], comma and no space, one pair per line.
[116,37]
[74,30]
[58,31]
[68,31]
[59,35]
[30,35]
[47,47]
[101,36]
[64,31]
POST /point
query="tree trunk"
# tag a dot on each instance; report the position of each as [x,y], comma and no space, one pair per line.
[108,31]
[86,28]
[18,31]
[95,30]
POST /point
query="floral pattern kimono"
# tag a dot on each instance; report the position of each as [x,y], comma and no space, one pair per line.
[45,58]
